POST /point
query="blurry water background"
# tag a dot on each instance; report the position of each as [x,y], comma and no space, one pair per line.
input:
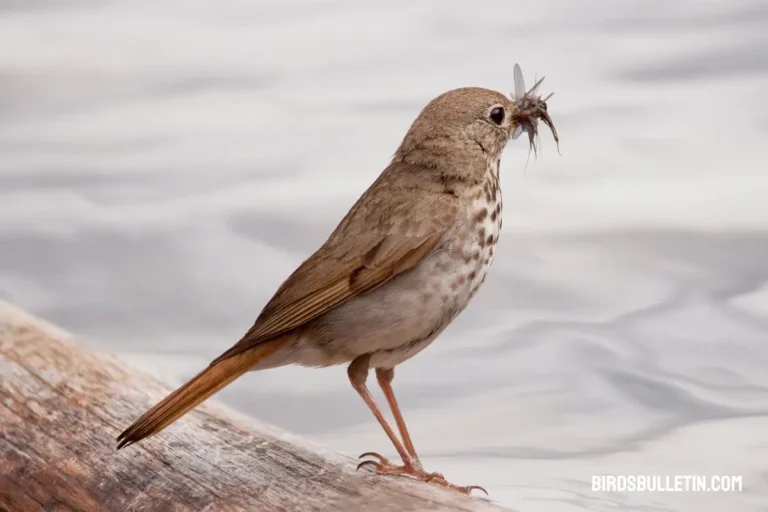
[164,165]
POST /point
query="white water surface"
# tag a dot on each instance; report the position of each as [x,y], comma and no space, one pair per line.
[164,165]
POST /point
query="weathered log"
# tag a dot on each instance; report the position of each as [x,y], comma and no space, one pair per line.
[61,406]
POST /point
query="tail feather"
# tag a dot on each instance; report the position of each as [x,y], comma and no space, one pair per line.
[195,391]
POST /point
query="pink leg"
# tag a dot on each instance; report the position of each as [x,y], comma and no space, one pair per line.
[385,377]
[358,374]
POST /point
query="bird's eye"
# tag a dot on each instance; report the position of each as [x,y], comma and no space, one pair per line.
[497,115]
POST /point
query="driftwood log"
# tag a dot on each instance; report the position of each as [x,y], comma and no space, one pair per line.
[61,406]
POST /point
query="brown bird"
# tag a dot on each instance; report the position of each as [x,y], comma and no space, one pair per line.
[401,265]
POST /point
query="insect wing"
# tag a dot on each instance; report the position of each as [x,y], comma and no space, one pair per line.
[519,83]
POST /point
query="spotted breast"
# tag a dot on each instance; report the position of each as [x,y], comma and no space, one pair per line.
[476,244]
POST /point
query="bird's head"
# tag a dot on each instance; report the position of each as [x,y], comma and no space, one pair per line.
[464,130]
[459,127]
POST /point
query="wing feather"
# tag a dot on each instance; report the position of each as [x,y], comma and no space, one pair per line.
[378,239]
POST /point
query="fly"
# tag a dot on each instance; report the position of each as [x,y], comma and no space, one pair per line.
[529,109]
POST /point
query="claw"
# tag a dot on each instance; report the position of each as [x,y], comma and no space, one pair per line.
[470,488]
[372,454]
[436,477]
[371,463]
[464,490]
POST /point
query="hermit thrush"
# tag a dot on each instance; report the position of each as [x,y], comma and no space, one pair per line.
[401,265]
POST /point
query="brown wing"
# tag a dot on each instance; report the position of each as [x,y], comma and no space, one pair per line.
[389,230]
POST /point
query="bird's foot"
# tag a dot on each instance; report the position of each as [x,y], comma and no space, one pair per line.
[413,469]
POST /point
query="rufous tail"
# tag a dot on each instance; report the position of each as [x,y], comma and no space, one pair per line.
[197,389]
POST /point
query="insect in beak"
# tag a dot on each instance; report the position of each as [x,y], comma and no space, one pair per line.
[529,109]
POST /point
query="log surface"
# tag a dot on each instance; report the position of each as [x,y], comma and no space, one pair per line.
[62,405]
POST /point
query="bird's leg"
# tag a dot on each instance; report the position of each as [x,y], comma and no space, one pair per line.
[358,374]
[385,377]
